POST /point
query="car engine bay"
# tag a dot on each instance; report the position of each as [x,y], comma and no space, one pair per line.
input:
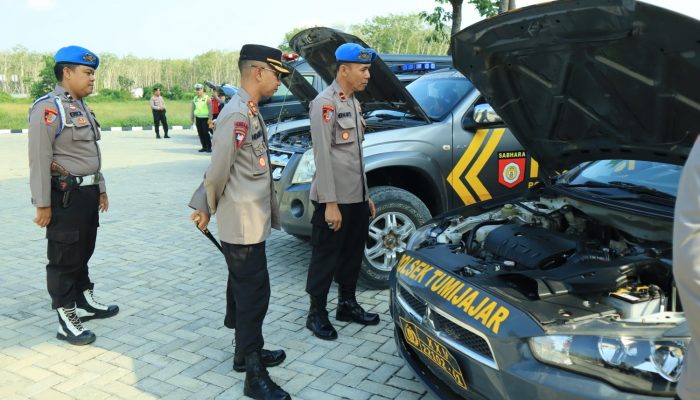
[564,260]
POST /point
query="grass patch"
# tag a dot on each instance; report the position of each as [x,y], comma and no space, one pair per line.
[127,113]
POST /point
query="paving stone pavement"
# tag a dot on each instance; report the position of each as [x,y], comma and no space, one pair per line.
[168,341]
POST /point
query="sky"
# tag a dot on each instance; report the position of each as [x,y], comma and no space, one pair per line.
[182,29]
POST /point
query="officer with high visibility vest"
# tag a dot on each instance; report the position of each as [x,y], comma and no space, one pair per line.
[68,190]
[201,115]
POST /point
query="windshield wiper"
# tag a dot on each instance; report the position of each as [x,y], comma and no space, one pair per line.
[388,116]
[630,187]
[641,189]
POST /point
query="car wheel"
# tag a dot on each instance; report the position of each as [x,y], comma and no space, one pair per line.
[399,213]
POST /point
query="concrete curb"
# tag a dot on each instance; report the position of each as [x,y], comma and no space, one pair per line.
[108,129]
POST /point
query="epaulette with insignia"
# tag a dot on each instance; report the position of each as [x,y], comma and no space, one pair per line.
[253,108]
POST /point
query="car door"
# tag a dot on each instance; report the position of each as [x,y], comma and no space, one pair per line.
[487,159]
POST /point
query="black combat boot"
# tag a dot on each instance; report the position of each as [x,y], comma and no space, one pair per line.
[350,310]
[166,135]
[89,308]
[158,136]
[270,358]
[70,328]
[318,322]
[258,384]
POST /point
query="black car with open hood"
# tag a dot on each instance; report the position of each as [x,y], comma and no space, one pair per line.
[384,91]
[589,80]
[567,291]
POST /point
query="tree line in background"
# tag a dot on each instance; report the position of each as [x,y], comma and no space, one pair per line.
[26,72]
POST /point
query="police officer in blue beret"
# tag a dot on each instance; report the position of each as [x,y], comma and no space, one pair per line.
[68,190]
[342,206]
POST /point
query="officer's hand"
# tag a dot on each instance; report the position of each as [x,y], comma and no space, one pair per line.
[333,217]
[43,216]
[372,209]
[104,202]
[201,219]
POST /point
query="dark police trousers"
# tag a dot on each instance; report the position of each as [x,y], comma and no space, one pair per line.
[158,117]
[247,294]
[337,254]
[202,125]
[71,238]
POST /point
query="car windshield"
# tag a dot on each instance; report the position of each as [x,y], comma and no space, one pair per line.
[283,93]
[658,176]
[437,93]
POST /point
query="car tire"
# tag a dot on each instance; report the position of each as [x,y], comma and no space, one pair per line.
[399,213]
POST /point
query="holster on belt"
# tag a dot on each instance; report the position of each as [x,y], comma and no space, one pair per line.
[64,182]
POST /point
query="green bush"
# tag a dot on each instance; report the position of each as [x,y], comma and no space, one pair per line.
[177,93]
[6,98]
[112,95]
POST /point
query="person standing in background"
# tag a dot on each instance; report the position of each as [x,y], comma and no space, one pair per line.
[158,108]
[201,115]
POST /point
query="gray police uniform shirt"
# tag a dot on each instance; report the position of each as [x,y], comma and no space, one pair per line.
[686,267]
[71,143]
[238,186]
[337,132]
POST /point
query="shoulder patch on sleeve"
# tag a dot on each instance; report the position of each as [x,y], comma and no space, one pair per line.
[240,131]
[50,116]
[327,112]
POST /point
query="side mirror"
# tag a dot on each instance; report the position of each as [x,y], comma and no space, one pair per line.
[482,115]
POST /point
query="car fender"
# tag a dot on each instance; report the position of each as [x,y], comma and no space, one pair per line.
[427,166]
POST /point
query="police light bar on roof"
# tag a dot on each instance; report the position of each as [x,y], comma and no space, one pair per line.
[290,56]
[414,67]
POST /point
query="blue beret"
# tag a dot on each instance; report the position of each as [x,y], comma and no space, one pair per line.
[77,55]
[354,53]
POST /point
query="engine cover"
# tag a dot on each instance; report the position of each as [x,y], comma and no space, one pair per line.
[529,247]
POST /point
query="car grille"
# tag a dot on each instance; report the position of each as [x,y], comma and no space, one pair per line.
[279,160]
[467,339]
[417,305]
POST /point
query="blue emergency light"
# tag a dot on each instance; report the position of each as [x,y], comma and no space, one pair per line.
[414,67]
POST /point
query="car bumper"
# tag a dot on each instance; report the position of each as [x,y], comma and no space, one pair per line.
[296,209]
[515,374]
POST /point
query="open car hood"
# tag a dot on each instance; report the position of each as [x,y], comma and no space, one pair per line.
[299,86]
[587,80]
[384,91]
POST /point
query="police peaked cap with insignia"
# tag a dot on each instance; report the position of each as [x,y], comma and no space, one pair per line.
[354,53]
[270,55]
[77,55]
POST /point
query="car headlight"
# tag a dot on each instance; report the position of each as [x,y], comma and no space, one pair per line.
[306,168]
[633,364]
[421,235]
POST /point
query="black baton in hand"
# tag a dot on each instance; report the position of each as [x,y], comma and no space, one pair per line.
[208,234]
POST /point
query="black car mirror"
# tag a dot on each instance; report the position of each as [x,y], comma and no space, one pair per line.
[482,115]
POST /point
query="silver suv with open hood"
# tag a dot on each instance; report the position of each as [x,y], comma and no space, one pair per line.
[422,151]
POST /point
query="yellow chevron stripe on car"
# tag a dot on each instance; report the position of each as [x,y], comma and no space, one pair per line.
[534,168]
[454,178]
[473,172]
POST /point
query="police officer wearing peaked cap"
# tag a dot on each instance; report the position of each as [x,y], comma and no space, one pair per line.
[342,206]
[238,188]
[68,190]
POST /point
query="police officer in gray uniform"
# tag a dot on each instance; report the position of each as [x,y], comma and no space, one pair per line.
[68,190]
[686,267]
[342,206]
[238,188]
